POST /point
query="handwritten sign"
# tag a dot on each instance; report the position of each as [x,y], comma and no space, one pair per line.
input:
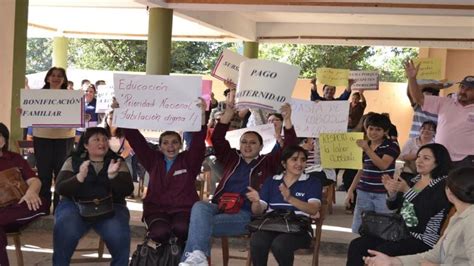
[267,131]
[340,150]
[227,66]
[52,108]
[105,93]
[158,102]
[430,68]
[365,80]
[332,76]
[206,92]
[310,118]
[265,84]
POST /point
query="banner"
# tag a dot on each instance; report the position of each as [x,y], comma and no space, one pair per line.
[333,76]
[158,102]
[267,131]
[227,66]
[105,93]
[341,150]
[365,80]
[265,84]
[430,68]
[206,91]
[312,118]
[52,108]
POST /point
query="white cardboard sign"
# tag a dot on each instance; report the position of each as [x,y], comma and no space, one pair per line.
[52,108]
[227,66]
[311,118]
[365,80]
[267,131]
[158,102]
[265,84]
[104,98]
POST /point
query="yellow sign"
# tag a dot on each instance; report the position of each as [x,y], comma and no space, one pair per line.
[333,76]
[339,150]
[430,68]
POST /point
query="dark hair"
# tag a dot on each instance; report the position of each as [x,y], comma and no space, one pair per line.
[461,183]
[50,72]
[84,81]
[92,86]
[433,91]
[169,133]
[313,81]
[259,137]
[291,150]
[99,82]
[429,123]
[378,120]
[118,132]
[330,86]
[91,131]
[442,159]
[70,82]
[278,115]
[6,135]
[356,94]
[226,92]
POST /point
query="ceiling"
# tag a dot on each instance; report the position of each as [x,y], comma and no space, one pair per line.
[422,23]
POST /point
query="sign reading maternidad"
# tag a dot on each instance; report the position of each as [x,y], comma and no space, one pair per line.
[158,102]
[227,66]
[265,84]
[312,118]
[52,108]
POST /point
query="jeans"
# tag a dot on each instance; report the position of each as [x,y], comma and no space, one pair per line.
[69,227]
[368,201]
[207,222]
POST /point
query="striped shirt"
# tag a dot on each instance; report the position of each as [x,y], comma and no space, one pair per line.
[371,179]
[419,117]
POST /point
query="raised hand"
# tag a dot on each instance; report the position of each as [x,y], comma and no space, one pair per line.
[410,69]
[363,144]
[285,111]
[285,192]
[114,167]
[252,195]
[83,170]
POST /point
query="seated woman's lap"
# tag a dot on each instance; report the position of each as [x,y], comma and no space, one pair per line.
[161,225]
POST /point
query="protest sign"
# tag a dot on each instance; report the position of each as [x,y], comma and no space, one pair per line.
[365,80]
[333,76]
[312,118]
[340,150]
[265,84]
[52,108]
[227,66]
[430,68]
[206,91]
[105,93]
[158,102]
[267,131]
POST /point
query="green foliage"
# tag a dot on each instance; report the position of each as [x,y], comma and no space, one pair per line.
[38,55]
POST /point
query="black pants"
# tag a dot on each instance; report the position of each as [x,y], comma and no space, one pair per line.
[50,156]
[359,246]
[283,246]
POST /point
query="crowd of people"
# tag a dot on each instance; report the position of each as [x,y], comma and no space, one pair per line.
[99,163]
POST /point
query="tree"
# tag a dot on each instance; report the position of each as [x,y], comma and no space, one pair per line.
[38,55]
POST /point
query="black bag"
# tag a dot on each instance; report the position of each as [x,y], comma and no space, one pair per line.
[387,226]
[96,209]
[148,254]
[280,221]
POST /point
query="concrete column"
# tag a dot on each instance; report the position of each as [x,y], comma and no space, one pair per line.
[251,49]
[13,28]
[60,45]
[158,58]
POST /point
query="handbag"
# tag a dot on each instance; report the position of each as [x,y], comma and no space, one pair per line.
[283,221]
[387,226]
[150,254]
[96,209]
[230,203]
[12,186]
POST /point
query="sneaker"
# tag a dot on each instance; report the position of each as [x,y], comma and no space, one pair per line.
[195,258]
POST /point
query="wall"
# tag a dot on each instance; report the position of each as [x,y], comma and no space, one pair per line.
[459,63]
[7,21]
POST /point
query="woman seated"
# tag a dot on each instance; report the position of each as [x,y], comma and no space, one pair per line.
[456,246]
[92,172]
[172,187]
[293,190]
[422,204]
[408,153]
[242,168]
[29,207]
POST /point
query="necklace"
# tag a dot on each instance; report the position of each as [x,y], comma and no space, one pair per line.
[96,161]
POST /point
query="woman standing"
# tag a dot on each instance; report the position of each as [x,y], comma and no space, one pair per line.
[52,145]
